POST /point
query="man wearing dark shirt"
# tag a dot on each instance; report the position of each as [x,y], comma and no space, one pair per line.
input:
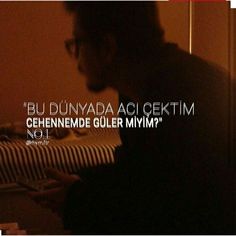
[173,179]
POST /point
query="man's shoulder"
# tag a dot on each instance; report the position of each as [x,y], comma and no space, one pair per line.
[177,73]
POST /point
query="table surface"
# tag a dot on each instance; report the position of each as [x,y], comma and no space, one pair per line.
[16,206]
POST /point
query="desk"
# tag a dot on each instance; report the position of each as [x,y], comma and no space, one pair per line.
[16,206]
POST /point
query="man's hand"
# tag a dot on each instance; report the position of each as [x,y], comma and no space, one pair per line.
[53,196]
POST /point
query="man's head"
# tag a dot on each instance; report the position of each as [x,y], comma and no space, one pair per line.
[104,31]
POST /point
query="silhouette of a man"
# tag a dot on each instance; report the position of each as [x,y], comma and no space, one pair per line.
[173,179]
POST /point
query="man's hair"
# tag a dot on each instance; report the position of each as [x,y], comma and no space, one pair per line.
[135,25]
